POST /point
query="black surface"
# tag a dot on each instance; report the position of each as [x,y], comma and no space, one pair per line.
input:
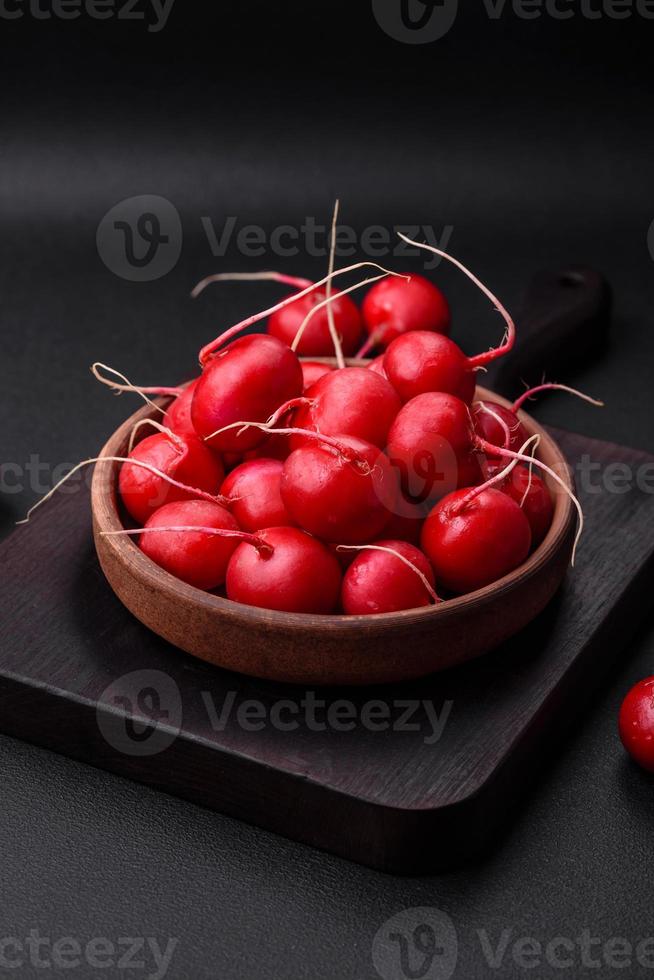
[533,139]
[429,788]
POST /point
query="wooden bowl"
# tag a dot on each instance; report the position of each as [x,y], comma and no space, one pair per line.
[306,649]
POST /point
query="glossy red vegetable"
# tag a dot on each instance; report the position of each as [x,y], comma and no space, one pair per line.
[530,493]
[343,492]
[420,361]
[351,401]
[246,381]
[178,416]
[183,458]
[431,445]
[253,491]
[194,556]
[636,723]
[473,544]
[398,305]
[379,581]
[316,341]
[298,574]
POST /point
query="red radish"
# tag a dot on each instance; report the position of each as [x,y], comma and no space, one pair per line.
[430,443]
[501,425]
[406,524]
[473,542]
[247,380]
[316,340]
[498,424]
[377,365]
[341,490]
[253,491]
[298,574]
[178,416]
[210,349]
[185,459]
[531,494]
[385,577]
[636,723]
[312,370]
[350,401]
[418,362]
[397,306]
[197,557]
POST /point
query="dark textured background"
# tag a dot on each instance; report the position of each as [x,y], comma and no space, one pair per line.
[533,139]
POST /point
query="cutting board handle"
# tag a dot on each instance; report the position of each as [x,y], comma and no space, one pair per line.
[563,325]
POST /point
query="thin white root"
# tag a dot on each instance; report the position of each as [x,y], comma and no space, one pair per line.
[227,335]
[127,385]
[498,478]
[336,340]
[500,421]
[175,439]
[552,386]
[435,598]
[509,336]
[489,447]
[120,459]
[327,302]
[271,276]
[530,469]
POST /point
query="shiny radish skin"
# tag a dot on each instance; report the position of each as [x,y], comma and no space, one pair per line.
[636,723]
[492,431]
[316,341]
[336,499]
[255,499]
[531,494]
[300,576]
[178,415]
[185,459]
[377,365]
[247,380]
[379,582]
[351,401]
[419,362]
[430,444]
[312,371]
[472,546]
[196,557]
[397,306]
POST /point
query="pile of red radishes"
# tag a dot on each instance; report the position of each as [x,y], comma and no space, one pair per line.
[311,488]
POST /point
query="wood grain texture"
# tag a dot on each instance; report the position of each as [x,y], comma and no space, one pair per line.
[564,324]
[306,649]
[388,798]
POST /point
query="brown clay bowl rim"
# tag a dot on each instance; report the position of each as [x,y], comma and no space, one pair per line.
[107,518]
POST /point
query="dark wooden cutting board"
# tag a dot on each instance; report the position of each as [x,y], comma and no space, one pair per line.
[362,773]
[398,800]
